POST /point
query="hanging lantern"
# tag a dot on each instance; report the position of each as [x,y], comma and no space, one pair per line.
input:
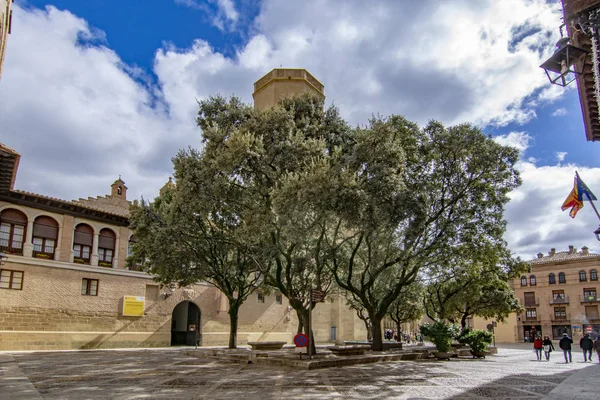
[560,67]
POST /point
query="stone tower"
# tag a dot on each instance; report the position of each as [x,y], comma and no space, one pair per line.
[282,82]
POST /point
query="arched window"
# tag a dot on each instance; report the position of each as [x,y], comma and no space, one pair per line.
[13,224]
[532,280]
[45,236]
[106,247]
[523,281]
[582,276]
[83,241]
[562,278]
[593,275]
[552,279]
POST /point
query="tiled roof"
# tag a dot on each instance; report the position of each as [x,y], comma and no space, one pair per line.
[70,202]
[562,256]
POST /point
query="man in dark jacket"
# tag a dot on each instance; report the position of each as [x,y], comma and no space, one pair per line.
[586,345]
[565,344]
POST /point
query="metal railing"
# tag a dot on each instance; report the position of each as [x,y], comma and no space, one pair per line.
[559,300]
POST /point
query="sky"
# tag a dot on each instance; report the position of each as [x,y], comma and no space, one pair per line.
[100,88]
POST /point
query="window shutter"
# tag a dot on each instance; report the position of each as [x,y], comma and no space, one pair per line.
[106,242]
[45,227]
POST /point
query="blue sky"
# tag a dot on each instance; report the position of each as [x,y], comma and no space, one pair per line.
[96,88]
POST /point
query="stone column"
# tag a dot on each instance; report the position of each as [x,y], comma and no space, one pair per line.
[28,244]
[94,259]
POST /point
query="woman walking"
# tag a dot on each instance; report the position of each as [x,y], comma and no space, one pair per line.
[548,347]
[538,346]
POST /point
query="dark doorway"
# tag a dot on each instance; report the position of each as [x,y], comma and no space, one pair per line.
[185,324]
[531,331]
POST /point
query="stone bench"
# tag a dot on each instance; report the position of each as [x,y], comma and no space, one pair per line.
[358,350]
[267,345]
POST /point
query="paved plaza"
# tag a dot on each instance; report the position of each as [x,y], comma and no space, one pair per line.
[171,374]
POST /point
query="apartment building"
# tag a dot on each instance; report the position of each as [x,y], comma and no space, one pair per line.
[560,295]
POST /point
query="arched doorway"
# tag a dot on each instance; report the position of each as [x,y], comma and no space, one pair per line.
[185,324]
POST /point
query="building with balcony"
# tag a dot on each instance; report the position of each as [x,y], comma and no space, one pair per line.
[559,295]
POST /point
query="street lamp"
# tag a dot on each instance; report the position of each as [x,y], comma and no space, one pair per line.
[560,66]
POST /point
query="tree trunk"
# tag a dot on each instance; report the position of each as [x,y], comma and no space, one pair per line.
[300,321]
[369,328]
[303,318]
[233,324]
[463,321]
[376,332]
[398,331]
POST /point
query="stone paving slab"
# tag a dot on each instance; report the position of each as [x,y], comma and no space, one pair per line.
[172,374]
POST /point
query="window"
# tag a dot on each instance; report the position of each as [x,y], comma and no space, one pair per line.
[561,278]
[89,287]
[589,294]
[551,279]
[333,334]
[591,312]
[530,299]
[278,298]
[532,280]
[593,275]
[558,294]
[531,313]
[582,276]
[261,298]
[11,279]
[12,231]
[560,313]
[82,244]
[106,247]
[45,236]
[523,281]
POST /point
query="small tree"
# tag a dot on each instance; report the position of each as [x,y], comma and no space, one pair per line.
[441,334]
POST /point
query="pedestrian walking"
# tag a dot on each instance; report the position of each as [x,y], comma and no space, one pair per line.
[586,345]
[597,347]
[548,347]
[565,344]
[538,346]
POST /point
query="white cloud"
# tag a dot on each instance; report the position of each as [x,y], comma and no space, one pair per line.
[80,116]
[559,112]
[560,156]
[221,13]
[519,140]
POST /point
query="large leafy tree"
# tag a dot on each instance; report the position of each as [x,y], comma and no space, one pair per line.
[407,198]
[474,283]
[198,230]
[267,155]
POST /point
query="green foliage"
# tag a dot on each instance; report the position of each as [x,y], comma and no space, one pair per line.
[477,339]
[441,334]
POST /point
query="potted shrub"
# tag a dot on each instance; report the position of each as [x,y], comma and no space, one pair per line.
[441,334]
[478,340]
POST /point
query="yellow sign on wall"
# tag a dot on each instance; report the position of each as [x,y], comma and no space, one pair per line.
[133,306]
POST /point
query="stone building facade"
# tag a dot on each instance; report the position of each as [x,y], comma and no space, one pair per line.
[560,295]
[282,82]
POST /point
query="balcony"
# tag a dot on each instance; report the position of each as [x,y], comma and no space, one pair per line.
[42,255]
[559,300]
[531,302]
[11,250]
[589,299]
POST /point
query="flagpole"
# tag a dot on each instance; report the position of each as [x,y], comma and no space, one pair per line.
[592,203]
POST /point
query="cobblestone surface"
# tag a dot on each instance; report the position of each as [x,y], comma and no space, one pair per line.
[169,374]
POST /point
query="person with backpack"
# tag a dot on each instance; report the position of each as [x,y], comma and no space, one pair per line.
[538,345]
[548,347]
[586,345]
[565,344]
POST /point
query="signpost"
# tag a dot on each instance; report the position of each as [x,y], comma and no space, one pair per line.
[315,296]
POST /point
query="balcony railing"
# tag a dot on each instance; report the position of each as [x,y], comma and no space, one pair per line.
[589,299]
[43,255]
[559,300]
[531,302]
[106,264]
[536,318]
[11,250]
